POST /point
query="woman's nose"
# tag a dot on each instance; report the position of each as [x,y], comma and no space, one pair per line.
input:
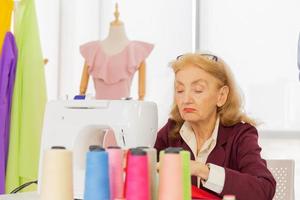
[187,98]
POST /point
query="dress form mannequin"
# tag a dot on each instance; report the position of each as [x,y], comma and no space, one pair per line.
[113,44]
[117,38]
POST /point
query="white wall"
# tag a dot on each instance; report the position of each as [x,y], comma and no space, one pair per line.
[79,22]
[258,39]
[48,18]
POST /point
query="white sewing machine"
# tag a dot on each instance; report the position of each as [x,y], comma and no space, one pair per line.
[77,124]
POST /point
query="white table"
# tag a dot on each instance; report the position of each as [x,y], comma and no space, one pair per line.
[21,196]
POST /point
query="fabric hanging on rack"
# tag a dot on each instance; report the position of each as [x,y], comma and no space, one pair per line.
[8,61]
[29,99]
[6,7]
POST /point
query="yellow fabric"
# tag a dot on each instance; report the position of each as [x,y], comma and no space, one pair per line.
[6,7]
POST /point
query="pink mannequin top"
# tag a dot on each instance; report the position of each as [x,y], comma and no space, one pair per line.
[112,74]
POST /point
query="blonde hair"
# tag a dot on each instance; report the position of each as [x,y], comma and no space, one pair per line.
[232,111]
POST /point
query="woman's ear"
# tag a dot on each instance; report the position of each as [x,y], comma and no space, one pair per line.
[222,97]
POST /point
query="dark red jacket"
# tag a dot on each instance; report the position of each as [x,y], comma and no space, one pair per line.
[237,150]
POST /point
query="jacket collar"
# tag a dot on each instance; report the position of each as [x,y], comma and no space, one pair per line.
[217,156]
[223,134]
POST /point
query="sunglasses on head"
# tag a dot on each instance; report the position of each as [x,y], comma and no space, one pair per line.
[209,56]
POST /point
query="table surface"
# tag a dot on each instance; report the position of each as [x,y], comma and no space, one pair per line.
[21,196]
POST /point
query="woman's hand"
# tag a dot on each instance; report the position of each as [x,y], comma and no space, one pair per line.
[199,169]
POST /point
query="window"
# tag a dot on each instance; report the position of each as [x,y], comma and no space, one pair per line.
[258,39]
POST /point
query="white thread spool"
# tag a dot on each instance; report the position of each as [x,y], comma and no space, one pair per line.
[57,175]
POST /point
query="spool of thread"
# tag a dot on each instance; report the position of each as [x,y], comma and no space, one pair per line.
[115,160]
[169,149]
[137,177]
[151,154]
[57,174]
[161,155]
[170,175]
[126,156]
[173,149]
[109,139]
[97,174]
[186,175]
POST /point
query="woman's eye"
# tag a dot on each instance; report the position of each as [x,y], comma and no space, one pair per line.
[198,91]
[179,91]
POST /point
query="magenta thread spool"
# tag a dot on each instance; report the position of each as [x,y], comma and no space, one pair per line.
[115,158]
[137,177]
[170,175]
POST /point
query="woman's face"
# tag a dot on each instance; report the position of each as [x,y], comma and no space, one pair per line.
[197,94]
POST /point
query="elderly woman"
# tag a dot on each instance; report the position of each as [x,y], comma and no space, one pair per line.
[207,119]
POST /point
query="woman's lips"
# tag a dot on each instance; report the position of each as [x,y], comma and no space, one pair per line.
[188,110]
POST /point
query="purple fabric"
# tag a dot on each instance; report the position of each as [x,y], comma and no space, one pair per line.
[8,61]
[237,150]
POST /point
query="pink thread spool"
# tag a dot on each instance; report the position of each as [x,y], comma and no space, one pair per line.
[137,177]
[152,164]
[170,176]
[115,159]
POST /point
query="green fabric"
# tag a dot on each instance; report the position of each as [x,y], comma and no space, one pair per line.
[28,102]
